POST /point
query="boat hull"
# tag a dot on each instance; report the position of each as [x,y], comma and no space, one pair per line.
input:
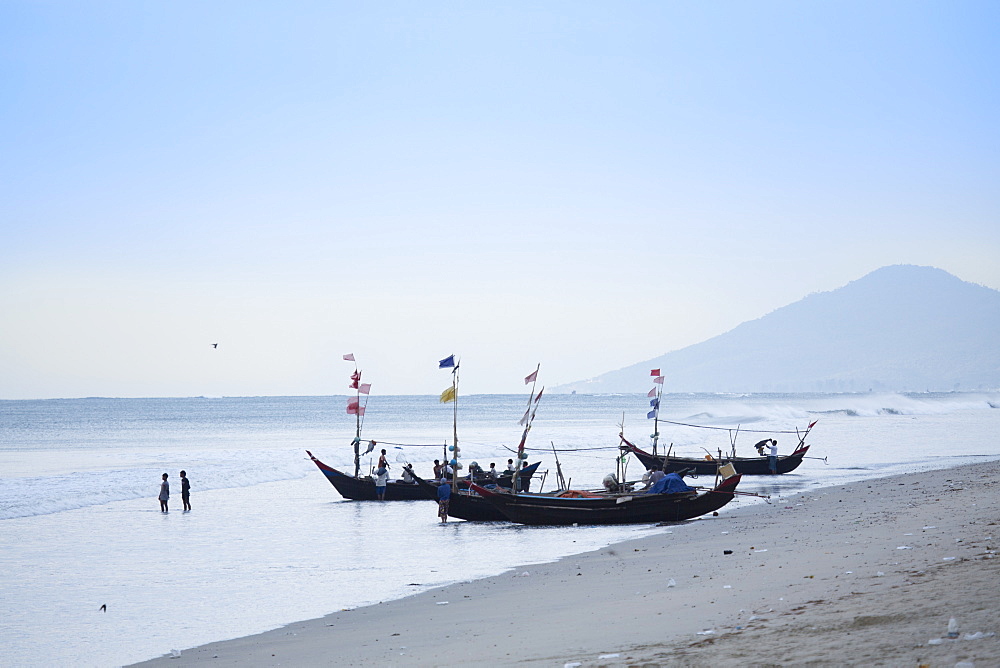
[743,465]
[637,508]
[464,505]
[363,489]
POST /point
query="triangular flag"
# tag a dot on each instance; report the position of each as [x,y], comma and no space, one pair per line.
[539,395]
[447,363]
[364,388]
[448,395]
[356,375]
[349,357]
[523,421]
[652,393]
[654,372]
[658,379]
[651,414]
[530,378]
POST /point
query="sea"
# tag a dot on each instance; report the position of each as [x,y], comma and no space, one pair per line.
[93,574]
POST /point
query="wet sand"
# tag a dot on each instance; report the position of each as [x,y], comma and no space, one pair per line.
[862,574]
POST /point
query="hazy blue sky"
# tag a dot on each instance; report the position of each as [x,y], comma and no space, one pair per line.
[580,184]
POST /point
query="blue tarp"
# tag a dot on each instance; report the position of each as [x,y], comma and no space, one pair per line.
[670,484]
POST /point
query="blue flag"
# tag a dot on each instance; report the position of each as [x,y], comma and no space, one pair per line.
[650,415]
[447,363]
[655,403]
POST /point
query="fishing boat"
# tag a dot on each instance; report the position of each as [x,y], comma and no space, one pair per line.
[708,464]
[619,508]
[362,488]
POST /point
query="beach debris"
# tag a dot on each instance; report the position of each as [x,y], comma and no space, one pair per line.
[978,635]
[879,574]
[441,603]
[904,547]
[727,586]
[572,664]
[671,583]
[965,664]
[608,656]
[706,632]
[175,654]
[952,628]
[935,641]
[727,552]
[929,527]
[948,559]
[525,574]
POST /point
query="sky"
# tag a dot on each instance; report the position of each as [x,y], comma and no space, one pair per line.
[580,185]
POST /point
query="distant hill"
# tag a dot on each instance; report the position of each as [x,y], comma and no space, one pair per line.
[900,328]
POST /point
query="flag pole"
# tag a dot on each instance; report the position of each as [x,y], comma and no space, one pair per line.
[454,426]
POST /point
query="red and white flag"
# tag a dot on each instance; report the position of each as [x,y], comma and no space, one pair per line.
[530,378]
[654,372]
[349,357]
[353,408]
[651,393]
[364,388]
[658,379]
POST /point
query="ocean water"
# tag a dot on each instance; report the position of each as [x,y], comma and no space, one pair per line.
[269,541]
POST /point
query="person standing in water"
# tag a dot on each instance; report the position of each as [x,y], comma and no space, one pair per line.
[185,491]
[164,494]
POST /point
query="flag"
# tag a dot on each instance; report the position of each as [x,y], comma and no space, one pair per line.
[349,357]
[658,379]
[530,378]
[539,395]
[353,385]
[812,424]
[353,408]
[652,393]
[356,375]
[655,403]
[654,372]
[364,388]
[651,414]
[524,421]
[448,395]
[447,363]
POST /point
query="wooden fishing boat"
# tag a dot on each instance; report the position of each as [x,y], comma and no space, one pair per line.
[362,488]
[624,508]
[709,465]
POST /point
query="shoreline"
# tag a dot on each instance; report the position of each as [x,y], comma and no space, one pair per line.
[864,573]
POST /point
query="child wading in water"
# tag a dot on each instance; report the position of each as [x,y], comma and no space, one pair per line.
[185,491]
[164,494]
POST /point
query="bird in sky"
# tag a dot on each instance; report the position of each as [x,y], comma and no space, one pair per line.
[215,345]
[104,608]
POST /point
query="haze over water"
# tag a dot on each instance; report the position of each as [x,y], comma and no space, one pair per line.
[269,541]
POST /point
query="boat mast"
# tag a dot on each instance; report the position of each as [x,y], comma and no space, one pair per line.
[451,394]
[354,406]
[528,418]
[656,393]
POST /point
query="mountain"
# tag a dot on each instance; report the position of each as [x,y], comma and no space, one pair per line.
[899,328]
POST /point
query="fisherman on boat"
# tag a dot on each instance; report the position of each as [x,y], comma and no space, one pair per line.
[492,473]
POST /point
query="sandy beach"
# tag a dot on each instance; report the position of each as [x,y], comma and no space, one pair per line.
[862,574]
